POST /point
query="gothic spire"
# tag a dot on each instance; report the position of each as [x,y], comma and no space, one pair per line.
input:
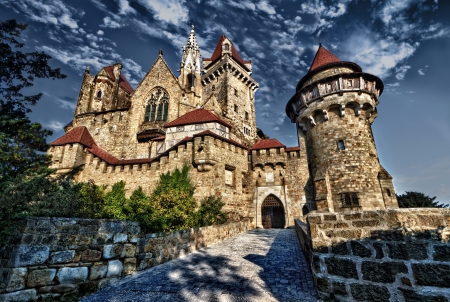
[191,53]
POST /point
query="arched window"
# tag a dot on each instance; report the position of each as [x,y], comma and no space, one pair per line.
[157,106]
[99,94]
[227,46]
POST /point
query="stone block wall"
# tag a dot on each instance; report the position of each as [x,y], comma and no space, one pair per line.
[49,257]
[384,255]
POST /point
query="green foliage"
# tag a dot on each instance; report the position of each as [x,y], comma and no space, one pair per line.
[115,202]
[139,208]
[173,201]
[21,141]
[210,211]
[418,200]
[92,200]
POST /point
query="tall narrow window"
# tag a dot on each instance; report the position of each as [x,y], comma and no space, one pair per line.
[341,145]
[227,46]
[157,108]
[246,115]
[99,94]
[388,192]
[235,108]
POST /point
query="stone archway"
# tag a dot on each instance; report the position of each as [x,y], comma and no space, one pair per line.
[272,213]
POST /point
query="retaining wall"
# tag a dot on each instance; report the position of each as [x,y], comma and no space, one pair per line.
[384,255]
[54,256]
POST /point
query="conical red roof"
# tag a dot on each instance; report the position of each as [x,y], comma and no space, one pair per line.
[323,57]
[218,53]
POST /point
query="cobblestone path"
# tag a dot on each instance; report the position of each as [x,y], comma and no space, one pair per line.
[259,265]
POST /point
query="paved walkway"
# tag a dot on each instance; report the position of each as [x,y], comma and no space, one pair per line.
[259,265]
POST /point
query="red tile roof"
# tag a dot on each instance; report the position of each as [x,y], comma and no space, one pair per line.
[195,117]
[323,57]
[218,53]
[76,135]
[288,149]
[209,132]
[122,80]
[267,144]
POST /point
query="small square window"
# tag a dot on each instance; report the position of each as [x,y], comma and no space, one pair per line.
[180,128]
[341,145]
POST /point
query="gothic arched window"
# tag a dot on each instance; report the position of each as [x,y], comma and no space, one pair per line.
[157,108]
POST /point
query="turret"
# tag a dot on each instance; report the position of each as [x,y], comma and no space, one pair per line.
[334,107]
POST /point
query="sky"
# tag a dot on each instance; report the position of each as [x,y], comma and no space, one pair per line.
[404,42]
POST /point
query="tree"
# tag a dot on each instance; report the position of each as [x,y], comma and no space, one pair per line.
[418,200]
[173,201]
[21,141]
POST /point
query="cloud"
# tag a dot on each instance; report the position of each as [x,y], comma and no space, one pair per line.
[276,129]
[242,4]
[110,23]
[66,104]
[170,11]
[393,85]
[401,71]
[52,12]
[264,6]
[421,72]
[100,32]
[54,125]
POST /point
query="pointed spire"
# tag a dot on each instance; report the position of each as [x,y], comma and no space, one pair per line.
[323,57]
[191,53]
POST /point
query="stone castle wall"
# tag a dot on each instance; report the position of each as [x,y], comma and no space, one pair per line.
[48,257]
[384,255]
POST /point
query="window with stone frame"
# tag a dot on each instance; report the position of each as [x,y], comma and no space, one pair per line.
[235,108]
[229,175]
[349,199]
[99,94]
[157,108]
[246,115]
[341,145]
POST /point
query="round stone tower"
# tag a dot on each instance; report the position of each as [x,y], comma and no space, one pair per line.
[334,107]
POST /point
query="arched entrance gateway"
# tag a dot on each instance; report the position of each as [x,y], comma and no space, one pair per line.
[272,213]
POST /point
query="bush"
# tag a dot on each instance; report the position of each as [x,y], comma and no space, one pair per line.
[171,206]
[210,211]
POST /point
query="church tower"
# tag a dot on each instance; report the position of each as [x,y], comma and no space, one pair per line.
[190,67]
[334,107]
[229,90]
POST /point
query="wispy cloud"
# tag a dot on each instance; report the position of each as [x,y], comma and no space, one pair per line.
[54,125]
[66,104]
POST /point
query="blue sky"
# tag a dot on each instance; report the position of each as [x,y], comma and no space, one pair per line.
[405,42]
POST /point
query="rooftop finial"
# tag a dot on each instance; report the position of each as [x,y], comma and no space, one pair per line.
[160,52]
[192,26]
[320,42]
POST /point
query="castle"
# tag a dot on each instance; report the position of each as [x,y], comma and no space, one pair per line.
[206,117]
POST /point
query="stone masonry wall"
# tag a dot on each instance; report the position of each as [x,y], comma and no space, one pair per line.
[49,257]
[384,255]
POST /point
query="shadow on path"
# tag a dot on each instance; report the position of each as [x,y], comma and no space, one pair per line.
[259,265]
